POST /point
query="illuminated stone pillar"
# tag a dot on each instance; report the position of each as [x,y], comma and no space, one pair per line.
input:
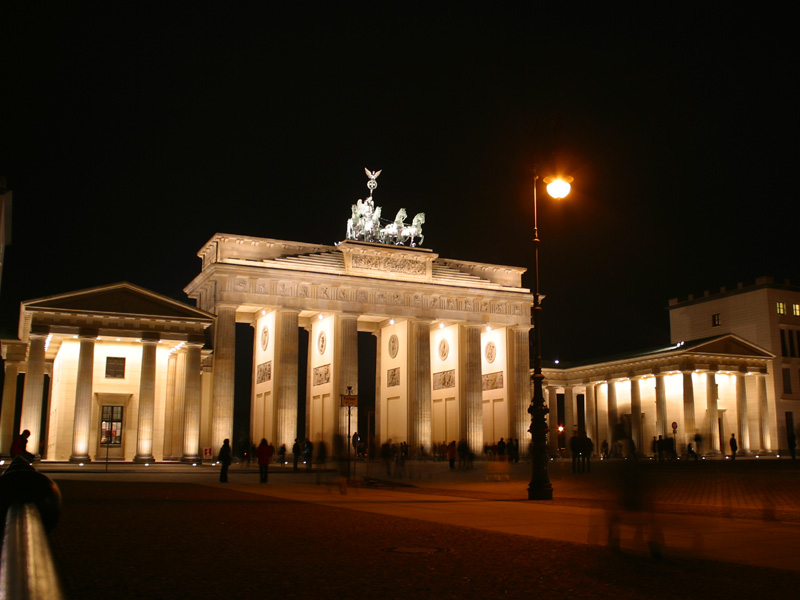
[9,406]
[636,416]
[689,424]
[309,382]
[83,399]
[713,412]
[147,397]
[570,422]
[31,417]
[661,406]
[591,414]
[763,412]
[169,405]
[224,372]
[743,432]
[472,382]
[286,374]
[179,406]
[378,382]
[552,419]
[192,403]
[520,389]
[420,385]
[613,419]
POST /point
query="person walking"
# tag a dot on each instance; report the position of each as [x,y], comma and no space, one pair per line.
[224,458]
[264,455]
[295,453]
[734,446]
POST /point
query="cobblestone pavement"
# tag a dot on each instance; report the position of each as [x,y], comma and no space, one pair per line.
[170,534]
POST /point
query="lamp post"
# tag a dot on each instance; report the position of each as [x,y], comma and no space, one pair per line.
[540,487]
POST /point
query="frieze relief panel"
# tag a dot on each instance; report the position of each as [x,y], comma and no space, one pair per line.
[444,380]
[492,381]
[264,372]
[322,374]
[388,264]
[393,377]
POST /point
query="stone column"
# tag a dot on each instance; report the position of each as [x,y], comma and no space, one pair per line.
[763,412]
[83,399]
[309,381]
[636,416]
[147,398]
[713,412]
[613,419]
[591,415]
[169,405]
[287,371]
[179,406]
[662,428]
[420,384]
[569,415]
[31,417]
[520,390]
[224,372]
[378,381]
[742,431]
[689,425]
[347,367]
[192,402]
[9,406]
[552,419]
[472,387]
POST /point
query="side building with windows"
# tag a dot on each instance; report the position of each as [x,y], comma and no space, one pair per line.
[766,314]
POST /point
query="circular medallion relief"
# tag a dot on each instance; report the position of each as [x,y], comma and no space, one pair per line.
[264,337]
[321,341]
[444,349]
[491,352]
[394,346]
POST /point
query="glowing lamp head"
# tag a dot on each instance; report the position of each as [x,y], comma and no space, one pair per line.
[558,187]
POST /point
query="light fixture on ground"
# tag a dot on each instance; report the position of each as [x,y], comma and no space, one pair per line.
[540,487]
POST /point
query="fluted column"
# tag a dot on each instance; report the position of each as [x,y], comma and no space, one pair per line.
[552,419]
[636,415]
[743,431]
[192,403]
[147,398]
[420,385]
[591,414]
[31,417]
[224,373]
[661,406]
[9,406]
[713,412]
[520,392]
[347,366]
[169,405]
[689,424]
[473,388]
[287,371]
[763,412]
[378,381]
[179,406]
[83,399]
[613,419]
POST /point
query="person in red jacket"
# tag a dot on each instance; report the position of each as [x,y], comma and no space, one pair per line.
[19,447]
[264,454]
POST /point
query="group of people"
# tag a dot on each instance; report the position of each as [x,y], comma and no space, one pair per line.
[263,454]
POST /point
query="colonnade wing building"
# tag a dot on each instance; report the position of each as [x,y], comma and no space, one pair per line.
[124,372]
[452,339]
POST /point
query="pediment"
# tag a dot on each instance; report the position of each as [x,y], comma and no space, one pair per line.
[726,344]
[120,298]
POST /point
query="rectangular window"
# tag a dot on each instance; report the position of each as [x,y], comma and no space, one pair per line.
[781,306]
[796,310]
[783,342]
[111,426]
[715,320]
[792,347]
[787,381]
[115,367]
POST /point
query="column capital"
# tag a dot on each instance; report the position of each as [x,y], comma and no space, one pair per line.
[38,330]
[150,337]
[86,333]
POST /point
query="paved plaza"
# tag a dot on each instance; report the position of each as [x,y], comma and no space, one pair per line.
[694,530]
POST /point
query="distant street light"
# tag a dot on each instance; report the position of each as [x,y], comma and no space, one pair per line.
[540,487]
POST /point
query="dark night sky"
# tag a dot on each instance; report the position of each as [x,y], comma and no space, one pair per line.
[131,132]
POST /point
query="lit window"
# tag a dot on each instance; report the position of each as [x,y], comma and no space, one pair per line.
[715,320]
[781,308]
[115,367]
[796,310]
[111,427]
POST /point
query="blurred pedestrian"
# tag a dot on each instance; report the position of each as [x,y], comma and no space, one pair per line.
[452,454]
[690,453]
[308,454]
[19,447]
[734,446]
[224,459]
[295,454]
[264,455]
[282,454]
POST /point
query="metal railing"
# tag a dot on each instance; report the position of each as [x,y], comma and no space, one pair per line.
[30,503]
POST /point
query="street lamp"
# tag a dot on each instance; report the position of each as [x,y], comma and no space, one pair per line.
[540,487]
